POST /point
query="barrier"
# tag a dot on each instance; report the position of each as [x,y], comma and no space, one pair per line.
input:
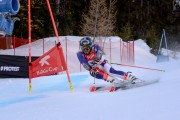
[12,66]
[6,25]
[9,6]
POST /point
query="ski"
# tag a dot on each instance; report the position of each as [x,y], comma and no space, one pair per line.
[140,84]
[122,86]
[134,85]
[94,88]
[113,88]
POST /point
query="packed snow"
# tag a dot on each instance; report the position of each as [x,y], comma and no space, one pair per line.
[52,99]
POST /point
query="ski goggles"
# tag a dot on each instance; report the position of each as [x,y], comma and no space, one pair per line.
[85,48]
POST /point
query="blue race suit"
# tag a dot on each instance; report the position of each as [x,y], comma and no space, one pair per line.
[88,62]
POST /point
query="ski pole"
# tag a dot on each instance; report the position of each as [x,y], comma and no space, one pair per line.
[138,67]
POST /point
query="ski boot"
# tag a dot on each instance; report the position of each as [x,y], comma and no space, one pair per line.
[116,83]
[113,80]
[132,79]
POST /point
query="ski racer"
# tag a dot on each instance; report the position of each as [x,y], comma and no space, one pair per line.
[92,59]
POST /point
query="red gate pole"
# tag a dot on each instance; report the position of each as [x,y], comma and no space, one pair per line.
[29,37]
[56,32]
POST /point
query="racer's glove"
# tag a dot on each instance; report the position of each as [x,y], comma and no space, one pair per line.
[96,61]
[94,71]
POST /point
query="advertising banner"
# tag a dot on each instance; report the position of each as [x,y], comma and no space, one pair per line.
[14,66]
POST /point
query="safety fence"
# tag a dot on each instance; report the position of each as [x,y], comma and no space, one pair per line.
[12,42]
[115,49]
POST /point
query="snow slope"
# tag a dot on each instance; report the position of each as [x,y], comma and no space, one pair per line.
[51,98]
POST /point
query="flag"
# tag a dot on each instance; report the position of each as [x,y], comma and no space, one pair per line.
[50,63]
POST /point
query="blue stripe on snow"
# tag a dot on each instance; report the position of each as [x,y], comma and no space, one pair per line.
[42,86]
[18,100]
[58,85]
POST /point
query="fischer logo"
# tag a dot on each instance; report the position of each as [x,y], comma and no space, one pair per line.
[9,68]
[44,60]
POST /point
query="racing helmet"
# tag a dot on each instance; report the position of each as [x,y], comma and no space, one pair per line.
[86,44]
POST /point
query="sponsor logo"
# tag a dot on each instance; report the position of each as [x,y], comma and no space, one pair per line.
[9,68]
[46,70]
[44,61]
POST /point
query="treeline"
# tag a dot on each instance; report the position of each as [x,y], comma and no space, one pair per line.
[134,19]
